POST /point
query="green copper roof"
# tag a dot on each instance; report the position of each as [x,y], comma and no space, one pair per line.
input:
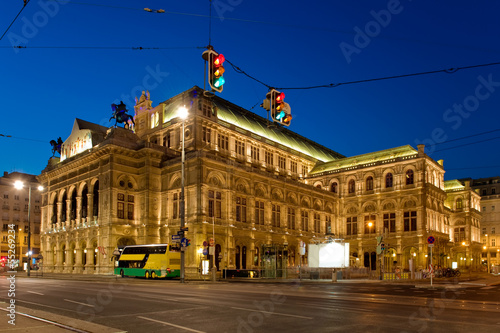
[257,125]
[244,120]
[454,184]
[361,160]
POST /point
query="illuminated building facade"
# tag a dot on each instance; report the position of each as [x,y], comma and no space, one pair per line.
[258,189]
[15,203]
[489,190]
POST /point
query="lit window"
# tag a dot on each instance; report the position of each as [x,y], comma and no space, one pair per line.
[409,177]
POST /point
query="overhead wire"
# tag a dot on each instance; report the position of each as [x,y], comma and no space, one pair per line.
[104,47]
[26,2]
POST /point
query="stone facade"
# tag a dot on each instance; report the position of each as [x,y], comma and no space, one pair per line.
[258,189]
[15,204]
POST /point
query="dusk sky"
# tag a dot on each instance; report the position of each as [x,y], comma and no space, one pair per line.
[79,58]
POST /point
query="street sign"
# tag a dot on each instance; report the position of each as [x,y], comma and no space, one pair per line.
[180,233]
[379,239]
[212,242]
[184,229]
[184,242]
[430,245]
[205,243]
[430,240]
[176,239]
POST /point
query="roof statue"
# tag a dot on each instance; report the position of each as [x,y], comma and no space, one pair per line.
[120,114]
[56,146]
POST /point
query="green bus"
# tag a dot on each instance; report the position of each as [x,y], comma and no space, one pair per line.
[149,261]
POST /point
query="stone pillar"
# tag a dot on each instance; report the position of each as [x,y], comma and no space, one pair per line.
[78,209]
[59,212]
[90,206]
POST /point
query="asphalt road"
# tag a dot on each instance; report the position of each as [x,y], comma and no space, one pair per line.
[136,305]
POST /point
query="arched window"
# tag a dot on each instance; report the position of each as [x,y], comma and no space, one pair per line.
[85,193]
[369,183]
[72,213]
[409,177]
[388,180]
[352,186]
[318,186]
[63,207]
[459,203]
[96,199]
[333,187]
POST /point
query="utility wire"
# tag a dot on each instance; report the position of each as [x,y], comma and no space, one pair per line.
[104,47]
[466,137]
[19,138]
[15,18]
[467,144]
[447,70]
[334,85]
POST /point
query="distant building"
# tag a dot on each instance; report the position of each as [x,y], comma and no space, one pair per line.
[260,190]
[489,190]
[15,203]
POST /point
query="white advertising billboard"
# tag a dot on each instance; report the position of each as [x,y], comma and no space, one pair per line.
[330,255]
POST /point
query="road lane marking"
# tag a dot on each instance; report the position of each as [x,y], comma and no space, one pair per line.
[170,324]
[90,305]
[34,292]
[276,313]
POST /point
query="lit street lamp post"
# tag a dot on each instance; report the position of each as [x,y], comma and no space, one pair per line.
[183,113]
[19,185]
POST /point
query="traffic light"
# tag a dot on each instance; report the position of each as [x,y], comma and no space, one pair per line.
[188,242]
[280,110]
[382,246]
[215,69]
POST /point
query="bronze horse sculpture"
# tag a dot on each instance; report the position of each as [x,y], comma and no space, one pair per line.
[120,114]
[56,146]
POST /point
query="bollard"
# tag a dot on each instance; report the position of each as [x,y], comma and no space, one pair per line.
[334,276]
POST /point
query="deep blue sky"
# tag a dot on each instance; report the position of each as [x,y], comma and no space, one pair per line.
[282,43]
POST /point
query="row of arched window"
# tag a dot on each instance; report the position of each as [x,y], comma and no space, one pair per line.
[351,186]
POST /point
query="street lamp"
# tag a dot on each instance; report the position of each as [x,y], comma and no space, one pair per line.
[19,185]
[182,113]
[487,253]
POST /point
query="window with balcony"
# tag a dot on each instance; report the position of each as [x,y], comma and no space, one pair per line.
[259,212]
[459,203]
[215,204]
[410,221]
[390,222]
[317,223]
[293,166]
[370,224]
[206,134]
[269,158]
[276,216]
[352,225]
[240,148]
[241,209]
[291,218]
[328,225]
[459,234]
[255,154]
[223,142]
[281,162]
[304,220]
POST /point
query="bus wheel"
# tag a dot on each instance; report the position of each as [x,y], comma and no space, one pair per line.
[121,273]
[146,275]
[153,275]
